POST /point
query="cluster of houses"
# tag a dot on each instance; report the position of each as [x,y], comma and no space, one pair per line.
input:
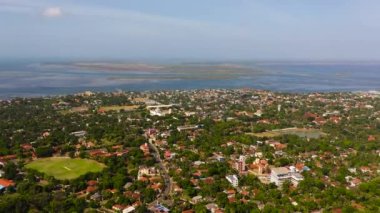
[216,105]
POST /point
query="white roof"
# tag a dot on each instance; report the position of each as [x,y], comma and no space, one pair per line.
[129,209]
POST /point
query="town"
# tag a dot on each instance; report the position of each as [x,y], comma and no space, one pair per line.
[211,150]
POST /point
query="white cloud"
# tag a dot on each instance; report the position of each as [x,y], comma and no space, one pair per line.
[52,12]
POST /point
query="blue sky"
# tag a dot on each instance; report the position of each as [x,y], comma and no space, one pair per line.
[196,29]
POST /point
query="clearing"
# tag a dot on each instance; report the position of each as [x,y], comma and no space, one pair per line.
[63,168]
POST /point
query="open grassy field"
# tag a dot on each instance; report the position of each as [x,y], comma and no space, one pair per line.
[63,168]
[307,133]
[118,108]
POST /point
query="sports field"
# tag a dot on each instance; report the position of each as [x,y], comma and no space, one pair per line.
[118,108]
[63,168]
[303,133]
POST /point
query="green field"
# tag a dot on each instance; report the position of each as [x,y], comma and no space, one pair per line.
[118,108]
[63,168]
[303,133]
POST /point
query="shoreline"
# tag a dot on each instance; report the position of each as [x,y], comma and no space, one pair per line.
[111,91]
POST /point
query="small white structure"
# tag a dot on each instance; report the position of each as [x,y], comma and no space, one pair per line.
[188,127]
[129,209]
[79,134]
[146,171]
[233,179]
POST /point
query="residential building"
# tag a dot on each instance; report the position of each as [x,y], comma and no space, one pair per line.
[233,179]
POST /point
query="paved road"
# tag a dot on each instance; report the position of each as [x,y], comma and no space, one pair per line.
[164,171]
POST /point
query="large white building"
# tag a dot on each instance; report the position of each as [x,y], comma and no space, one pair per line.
[160,110]
[233,179]
[280,174]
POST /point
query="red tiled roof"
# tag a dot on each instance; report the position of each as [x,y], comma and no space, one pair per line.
[91,189]
[8,157]
[6,182]
[92,182]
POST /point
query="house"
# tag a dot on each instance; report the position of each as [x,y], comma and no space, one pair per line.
[26,147]
[168,154]
[352,170]
[92,183]
[371,138]
[212,207]
[158,208]
[233,179]
[118,207]
[260,165]
[96,197]
[365,169]
[146,171]
[196,199]
[8,157]
[79,134]
[186,128]
[355,182]
[220,158]
[145,148]
[98,153]
[319,121]
[5,183]
[300,167]
[129,209]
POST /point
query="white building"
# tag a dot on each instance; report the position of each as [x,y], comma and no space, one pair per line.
[233,179]
[240,164]
[188,127]
[129,209]
[279,175]
[296,178]
[160,110]
[146,171]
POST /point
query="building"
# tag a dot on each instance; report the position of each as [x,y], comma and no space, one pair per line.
[296,178]
[240,164]
[145,148]
[79,134]
[279,175]
[147,171]
[260,166]
[129,209]
[159,208]
[160,110]
[233,179]
[187,127]
[5,183]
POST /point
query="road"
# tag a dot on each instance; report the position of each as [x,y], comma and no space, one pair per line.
[164,171]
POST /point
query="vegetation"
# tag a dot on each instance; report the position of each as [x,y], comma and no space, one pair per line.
[107,156]
[63,168]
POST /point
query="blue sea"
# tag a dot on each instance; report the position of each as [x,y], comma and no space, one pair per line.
[31,79]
